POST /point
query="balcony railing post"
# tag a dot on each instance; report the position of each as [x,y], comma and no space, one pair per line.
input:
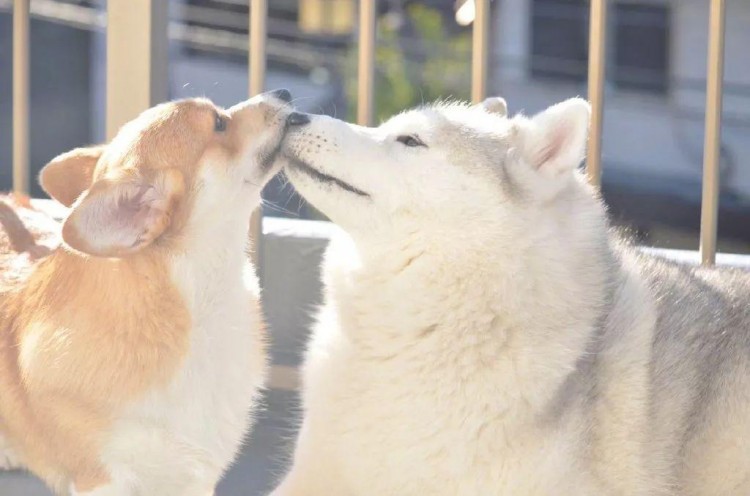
[137,58]
[257,48]
[596,70]
[21,96]
[257,83]
[366,67]
[480,50]
[712,140]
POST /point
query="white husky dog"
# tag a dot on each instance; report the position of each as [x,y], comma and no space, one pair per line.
[485,333]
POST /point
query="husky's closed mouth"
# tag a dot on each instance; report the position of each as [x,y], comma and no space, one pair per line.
[315,174]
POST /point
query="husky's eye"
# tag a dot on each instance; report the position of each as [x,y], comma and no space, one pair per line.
[410,140]
[220,124]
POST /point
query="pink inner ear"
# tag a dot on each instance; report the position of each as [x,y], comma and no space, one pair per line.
[557,138]
[551,148]
[142,212]
[117,217]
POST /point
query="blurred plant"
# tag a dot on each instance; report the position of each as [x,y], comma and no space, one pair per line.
[417,60]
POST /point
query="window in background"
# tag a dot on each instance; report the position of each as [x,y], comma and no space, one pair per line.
[61,86]
[641,58]
[559,39]
[639,35]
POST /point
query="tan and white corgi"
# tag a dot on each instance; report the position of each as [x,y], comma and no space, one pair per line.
[132,356]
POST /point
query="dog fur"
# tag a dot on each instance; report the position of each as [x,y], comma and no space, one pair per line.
[485,332]
[131,357]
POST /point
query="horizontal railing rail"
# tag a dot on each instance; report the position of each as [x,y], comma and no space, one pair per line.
[142,26]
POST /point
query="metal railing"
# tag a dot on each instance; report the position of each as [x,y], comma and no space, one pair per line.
[21,95]
[597,64]
[257,81]
[712,140]
[136,69]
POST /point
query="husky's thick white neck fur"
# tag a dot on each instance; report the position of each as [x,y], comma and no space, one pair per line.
[498,290]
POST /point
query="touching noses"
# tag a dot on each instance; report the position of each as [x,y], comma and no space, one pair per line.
[295,118]
[298,119]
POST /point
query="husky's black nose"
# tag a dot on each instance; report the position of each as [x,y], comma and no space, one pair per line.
[282,94]
[298,119]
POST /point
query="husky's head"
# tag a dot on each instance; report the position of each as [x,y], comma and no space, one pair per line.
[443,169]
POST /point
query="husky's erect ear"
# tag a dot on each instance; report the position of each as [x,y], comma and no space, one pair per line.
[70,174]
[495,105]
[554,141]
[120,216]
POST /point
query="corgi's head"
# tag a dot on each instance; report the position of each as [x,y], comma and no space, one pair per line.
[177,167]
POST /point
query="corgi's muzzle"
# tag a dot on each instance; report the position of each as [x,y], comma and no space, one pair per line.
[269,155]
[282,94]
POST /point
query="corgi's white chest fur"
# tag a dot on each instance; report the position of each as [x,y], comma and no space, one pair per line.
[193,430]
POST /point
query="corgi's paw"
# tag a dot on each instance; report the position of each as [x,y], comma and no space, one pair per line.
[9,459]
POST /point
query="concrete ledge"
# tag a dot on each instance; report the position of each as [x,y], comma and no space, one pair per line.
[691,257]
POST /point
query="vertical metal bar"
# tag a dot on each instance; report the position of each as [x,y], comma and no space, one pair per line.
[257,61]
[712,141]
[137,64]
[597,65]
[21,96]
[257,83]
[480,50]
[159,35]
[366,68]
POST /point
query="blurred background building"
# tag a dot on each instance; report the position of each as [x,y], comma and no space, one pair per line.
[653,134]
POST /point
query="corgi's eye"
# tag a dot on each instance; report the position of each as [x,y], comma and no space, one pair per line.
[410,140]
[220,124]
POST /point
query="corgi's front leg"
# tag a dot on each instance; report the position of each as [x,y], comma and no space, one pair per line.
[9,459]
[113,488]
[126,488]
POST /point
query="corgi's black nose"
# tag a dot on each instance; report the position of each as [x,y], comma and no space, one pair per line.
[282,94]
[298,119]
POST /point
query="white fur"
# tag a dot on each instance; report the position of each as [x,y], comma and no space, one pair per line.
[449,327]
[180,441]
[9,459]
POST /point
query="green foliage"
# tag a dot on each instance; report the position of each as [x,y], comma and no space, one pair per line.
[436,67]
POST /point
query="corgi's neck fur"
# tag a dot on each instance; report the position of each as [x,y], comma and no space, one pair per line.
[209,263]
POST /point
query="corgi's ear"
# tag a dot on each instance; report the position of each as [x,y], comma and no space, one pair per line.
[495,105]
[118,217]
[554,141]
[68,175]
